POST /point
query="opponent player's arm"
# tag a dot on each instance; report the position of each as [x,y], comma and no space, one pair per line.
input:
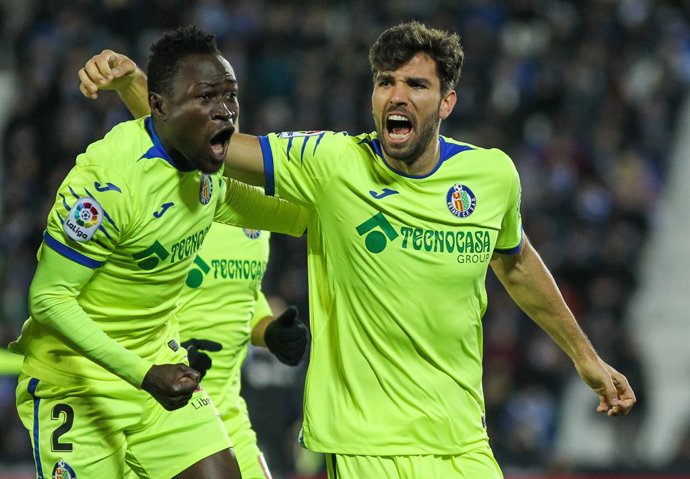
[530,284]
[248,207]
[53,303]
[110,70]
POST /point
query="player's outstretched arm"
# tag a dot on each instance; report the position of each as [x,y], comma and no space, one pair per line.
[248,207]
[532,287]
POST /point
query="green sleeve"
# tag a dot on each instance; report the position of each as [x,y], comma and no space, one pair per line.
[261,309]
[10,363]
[53,303]
[248,207]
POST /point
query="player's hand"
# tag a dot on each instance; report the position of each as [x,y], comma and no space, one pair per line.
[172,385]
[616,397]
[286,337]
[108,70]
[198,360]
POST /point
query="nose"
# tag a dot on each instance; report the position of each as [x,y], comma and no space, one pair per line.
[223,112]
[398,93]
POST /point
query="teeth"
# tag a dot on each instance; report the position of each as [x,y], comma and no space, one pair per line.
[397,136]
[397,117]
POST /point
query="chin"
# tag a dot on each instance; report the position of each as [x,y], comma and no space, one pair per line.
[399,153]
[211,167]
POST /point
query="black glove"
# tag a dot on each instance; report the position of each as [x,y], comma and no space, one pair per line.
[286,337]
[198,360]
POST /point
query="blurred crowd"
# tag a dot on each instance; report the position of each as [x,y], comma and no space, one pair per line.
[583,95]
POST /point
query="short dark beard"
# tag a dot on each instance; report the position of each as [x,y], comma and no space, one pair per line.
[425,137]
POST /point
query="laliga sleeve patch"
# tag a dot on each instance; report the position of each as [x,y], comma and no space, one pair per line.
[83,219]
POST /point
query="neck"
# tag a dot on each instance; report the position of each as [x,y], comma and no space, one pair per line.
[421,165]
[179,161]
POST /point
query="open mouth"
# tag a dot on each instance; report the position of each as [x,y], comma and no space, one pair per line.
[398,127]
[220,141]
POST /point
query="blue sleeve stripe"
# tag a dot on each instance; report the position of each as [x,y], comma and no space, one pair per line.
[110,220]
[269,172]
[100,228]
[105,213]
[289,147]
[33,383]
[74,193]
[64,202]
[514,250]
[69,253]
[304,146]
[318,140]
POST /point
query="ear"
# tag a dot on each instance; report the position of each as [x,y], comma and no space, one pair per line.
[447,104]
[158,105]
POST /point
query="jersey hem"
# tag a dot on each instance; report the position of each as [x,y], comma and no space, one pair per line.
[37,369]
[513,250]
[368,450]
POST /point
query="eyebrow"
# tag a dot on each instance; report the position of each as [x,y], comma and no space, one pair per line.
[214,83]
[408,80]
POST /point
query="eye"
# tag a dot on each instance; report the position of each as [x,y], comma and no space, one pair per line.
[204,97]
[231,96]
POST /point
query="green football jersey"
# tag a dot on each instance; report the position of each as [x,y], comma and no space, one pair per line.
[126,210]
[222,301]
[397,267]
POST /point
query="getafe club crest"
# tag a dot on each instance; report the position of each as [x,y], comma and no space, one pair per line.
[205,189]
[62,470]
[461,201]
[251,234]
[83,219]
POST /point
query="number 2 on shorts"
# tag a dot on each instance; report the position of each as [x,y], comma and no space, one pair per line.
[66,413]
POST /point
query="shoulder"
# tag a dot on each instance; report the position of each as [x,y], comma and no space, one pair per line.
[119,149]
[493,157]
[317,140]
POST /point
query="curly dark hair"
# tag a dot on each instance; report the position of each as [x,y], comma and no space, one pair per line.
[398,44]
[168,52]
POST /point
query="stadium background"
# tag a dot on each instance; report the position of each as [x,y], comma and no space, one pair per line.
[586,96]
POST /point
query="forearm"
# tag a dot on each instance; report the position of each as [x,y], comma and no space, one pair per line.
[257,337]
[530,284]
[53,303]
[244,160]
[135,95]
[247,207]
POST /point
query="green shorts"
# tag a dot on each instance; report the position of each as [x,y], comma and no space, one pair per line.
[476,464]
[90,429]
